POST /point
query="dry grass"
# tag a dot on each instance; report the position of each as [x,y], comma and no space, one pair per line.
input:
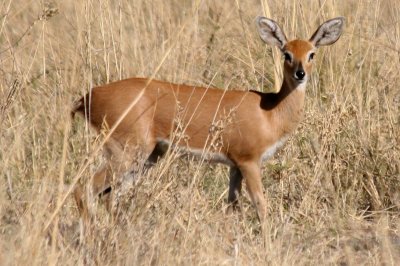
[333,191]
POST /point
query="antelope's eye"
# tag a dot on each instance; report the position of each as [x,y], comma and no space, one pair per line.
[311,57]
[288,57]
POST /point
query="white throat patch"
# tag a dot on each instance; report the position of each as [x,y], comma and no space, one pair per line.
[302,86]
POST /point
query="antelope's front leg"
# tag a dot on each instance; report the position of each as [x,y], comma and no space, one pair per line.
[235,187]
[251,172]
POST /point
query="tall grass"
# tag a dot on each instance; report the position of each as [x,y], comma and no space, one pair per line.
[333,190]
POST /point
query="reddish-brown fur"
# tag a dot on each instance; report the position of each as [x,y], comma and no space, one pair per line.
[154,115]
[254,123]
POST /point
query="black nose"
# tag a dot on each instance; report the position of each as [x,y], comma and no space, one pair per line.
[300,74]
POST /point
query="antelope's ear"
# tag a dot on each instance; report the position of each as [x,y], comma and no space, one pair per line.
[328,33]
[270,32]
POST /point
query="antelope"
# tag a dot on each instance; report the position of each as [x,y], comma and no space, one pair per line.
[143,114]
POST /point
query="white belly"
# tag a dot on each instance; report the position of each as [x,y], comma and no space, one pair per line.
[216,157]
[200,154]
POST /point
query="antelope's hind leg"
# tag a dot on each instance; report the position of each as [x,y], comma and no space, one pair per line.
[157,153]
[144,160]
[117,164]
[100,184]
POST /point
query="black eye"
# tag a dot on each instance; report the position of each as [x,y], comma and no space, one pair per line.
[311,57]
[288,57]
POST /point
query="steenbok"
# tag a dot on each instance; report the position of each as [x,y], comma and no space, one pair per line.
[144,114]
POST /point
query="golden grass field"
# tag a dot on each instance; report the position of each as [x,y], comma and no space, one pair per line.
[333,191]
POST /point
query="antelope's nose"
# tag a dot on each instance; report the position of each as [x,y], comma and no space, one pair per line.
[300,74]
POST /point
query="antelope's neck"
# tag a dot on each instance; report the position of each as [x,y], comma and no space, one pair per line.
[286,107]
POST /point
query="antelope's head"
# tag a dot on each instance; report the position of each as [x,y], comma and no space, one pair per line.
[299,54]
